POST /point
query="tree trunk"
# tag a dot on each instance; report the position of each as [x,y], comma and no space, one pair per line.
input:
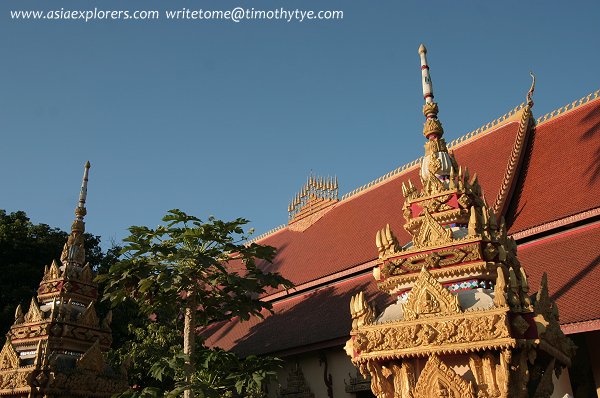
[189,339]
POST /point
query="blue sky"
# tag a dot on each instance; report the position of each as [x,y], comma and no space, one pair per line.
[226,119]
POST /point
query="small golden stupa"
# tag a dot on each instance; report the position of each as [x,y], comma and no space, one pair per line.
[55,349]
[464,323]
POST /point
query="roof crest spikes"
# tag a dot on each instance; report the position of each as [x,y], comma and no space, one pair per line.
[317,194]
[568,108]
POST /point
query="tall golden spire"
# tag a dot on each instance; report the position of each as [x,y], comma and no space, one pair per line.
[433,127]
[73,251]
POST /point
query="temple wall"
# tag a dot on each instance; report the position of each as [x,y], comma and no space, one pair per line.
[593,345]
[341,369]
[339,366]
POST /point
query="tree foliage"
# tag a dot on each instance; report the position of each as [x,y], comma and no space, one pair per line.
[206,270]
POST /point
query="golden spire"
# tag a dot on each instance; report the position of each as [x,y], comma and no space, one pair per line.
[73,251]
[433,127]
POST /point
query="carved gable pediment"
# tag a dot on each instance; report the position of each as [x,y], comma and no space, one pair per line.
[429,297]
[439,380]
[9,359]
[93,359]
[89,317]
[431,232]
[34,314]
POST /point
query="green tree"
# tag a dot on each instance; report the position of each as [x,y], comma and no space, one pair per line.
[184,275]
[25,248]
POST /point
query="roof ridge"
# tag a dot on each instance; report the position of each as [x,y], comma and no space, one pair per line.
[265,234]
[567,108]
[514,161]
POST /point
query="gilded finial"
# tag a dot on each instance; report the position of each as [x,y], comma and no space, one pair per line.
[433,127]
[73,251]
[80,211]
[530,93]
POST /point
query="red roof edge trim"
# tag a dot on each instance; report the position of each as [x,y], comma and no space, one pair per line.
[563,222]
[514,163]
[560,234]
[339,342]
[322,282]
[581,327]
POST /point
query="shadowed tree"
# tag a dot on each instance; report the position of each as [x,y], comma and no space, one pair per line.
[184,275]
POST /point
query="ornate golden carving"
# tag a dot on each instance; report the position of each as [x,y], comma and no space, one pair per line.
[404,379]
[14,381]
[19,318]
[87,276]
[500,289]
[552,337]
[431,233]
[439,380]
[430,108]
[456,238]
[317,194]
[464,332]
[89,317]
[362,313]
[428,297]
[9,359]
[432,126]
[382,384]
[52,273]
[92,359]
[386,242]
[434,259]
[34,314]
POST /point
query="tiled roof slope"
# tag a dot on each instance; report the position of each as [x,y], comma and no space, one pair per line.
[572,265]
[561,174]
[572,261]
[345,236]
[319,316]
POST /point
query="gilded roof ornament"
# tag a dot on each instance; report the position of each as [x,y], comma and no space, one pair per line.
[432,127]
[470,304]
[531,90]
[73,251]
[315,195]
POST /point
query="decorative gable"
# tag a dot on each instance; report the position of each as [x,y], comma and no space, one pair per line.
[429,297]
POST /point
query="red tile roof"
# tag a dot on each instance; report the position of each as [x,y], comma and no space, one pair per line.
[562,170]
[323,315]
[560,177]
[345,236]
[572,261]
[315,317]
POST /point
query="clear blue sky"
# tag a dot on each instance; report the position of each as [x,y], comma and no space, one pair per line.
[226,119]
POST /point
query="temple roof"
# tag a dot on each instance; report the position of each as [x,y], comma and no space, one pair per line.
[562,171]
[345,236]
[330,261]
